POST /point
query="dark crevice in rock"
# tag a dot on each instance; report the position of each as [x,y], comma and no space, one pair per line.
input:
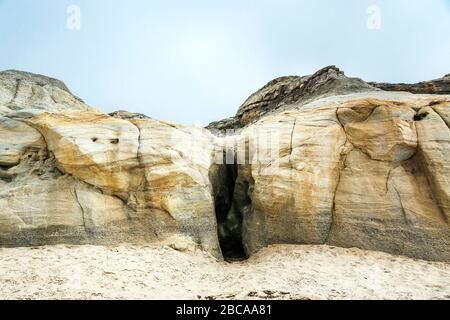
[53,99]
[75,195]
[229,220]
[5,176]
[420,116]
[7,167]
[341,166]
[139,156]
[292,140]
[16,93]
[88,224]
[403,210]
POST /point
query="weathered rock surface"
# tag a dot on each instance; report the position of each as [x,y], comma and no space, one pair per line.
[291,92]
[438,86]
[17,139]
[368,170]
[69,173]
[322,159]
[24,94]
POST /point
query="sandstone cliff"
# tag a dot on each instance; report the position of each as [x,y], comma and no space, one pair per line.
[316,159]
[69,173]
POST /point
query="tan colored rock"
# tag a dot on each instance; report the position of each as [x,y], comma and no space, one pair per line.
[93,147]
[81,176]
[40,206]
[369,173]
[23,91]
[16,139]
[368,170]
[386,134]
[134,177]
[443,109]
[294,188]
[433,154]
[176,161]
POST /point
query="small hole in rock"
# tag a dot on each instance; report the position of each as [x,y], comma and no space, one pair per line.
[94,139]
[114,141]
[421,116]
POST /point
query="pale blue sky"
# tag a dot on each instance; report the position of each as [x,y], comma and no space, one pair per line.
[197,60]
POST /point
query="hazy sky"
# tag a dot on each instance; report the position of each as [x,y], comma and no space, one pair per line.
[198,60]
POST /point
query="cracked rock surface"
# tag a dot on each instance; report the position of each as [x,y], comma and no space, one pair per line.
[347,164]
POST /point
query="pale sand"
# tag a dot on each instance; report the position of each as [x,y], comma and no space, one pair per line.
[151,272]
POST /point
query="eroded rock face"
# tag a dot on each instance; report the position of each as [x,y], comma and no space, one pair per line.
[292,92]
[69,173]
[371,173]
[24,94]
[93,147]
[17,139]
[317,159]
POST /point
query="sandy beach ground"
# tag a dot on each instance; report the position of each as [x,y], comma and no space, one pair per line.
[160,272]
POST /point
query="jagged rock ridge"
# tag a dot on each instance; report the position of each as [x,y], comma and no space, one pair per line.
[438,86]
[285,92]
[294,92]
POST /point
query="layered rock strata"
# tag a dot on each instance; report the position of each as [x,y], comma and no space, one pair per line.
[437,86]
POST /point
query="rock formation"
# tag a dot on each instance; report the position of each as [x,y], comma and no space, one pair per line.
[438,86]
[69,173]
[313,160]
[293,91]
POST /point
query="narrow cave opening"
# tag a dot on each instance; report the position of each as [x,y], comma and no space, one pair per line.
[229,220]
